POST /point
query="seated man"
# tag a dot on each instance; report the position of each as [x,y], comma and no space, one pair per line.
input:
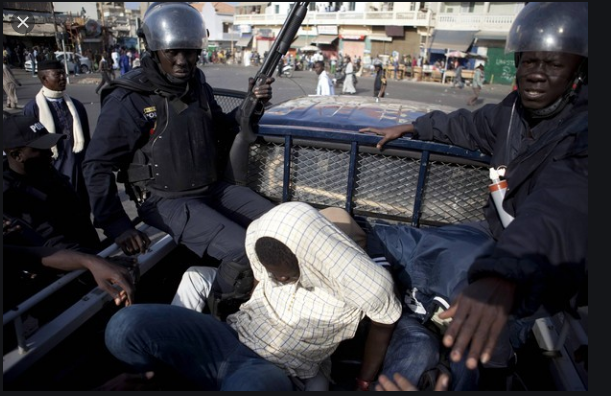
[313,286]
[162,128]
[51,227]
[197,281]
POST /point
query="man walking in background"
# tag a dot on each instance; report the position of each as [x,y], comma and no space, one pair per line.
[325,84]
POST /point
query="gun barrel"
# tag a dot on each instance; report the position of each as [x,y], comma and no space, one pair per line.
[237,166]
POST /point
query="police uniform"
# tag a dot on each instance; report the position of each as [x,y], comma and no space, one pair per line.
[171,159]
[51,208]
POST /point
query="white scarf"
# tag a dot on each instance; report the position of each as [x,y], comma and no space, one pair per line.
[46,117]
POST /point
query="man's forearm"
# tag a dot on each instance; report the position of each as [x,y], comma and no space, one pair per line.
[376,345]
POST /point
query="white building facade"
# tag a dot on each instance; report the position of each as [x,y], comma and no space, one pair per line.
[427,30]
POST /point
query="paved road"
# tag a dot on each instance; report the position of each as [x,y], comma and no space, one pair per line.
[83,87]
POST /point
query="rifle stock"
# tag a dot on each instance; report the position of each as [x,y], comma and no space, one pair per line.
[237,165]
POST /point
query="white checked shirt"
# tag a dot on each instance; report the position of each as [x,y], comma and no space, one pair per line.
[298,326]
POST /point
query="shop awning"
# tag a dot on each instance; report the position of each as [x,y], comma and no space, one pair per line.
[244,41]
[302,41]
[40,30]
[489,35]
[325,39]
[459,40]
[379,37]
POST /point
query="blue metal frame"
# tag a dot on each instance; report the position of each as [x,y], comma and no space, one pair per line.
[336,121]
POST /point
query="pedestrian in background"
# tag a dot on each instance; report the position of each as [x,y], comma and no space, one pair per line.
[9,83]
[348,87]
[105,70]
[63,114]
[478,82]
[32,57]
[379,84]
[77,64]
[124,63]
[325,84]
[458,81]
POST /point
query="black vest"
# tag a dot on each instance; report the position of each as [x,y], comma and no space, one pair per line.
[180,156]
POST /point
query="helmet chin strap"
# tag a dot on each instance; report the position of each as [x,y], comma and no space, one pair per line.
[176,80]
[552,109]
[569,93]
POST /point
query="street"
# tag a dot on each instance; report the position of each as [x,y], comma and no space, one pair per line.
[235,77]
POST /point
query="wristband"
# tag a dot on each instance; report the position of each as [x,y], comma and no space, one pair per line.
[362,384]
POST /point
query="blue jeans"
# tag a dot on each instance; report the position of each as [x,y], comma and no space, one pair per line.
[150,337]
[432,261]
[428,263]
[414,349]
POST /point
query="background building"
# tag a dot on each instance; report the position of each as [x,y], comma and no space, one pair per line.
[43,35]
[426,30]
[85,27]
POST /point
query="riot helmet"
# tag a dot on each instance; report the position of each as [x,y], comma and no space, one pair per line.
[553,27]
[173,26]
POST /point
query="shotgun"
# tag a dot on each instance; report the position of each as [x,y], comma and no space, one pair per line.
[237,165]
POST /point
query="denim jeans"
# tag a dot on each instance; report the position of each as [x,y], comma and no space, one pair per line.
[414,349]
[428,264]
[207,352]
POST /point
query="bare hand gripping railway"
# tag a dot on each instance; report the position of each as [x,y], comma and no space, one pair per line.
[237,166]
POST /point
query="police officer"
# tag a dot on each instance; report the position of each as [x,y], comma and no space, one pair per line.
[161,127]
[54,234]
[538,135]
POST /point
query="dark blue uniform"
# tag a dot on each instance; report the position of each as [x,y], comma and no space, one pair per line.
[51,208]
[173,156]
[52,217]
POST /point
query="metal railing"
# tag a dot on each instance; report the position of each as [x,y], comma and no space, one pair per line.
[31,347]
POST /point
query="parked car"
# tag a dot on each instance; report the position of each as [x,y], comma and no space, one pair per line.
[86,66]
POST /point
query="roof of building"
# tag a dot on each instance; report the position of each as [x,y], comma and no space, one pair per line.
[223,8]
[198,6]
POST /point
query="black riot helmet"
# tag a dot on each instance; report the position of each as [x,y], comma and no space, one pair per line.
[552,27]
[555,27]
[173,26]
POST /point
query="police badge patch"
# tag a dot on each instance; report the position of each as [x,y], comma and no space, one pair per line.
[150,113]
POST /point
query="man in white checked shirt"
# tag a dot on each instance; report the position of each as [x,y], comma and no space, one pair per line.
[313,286]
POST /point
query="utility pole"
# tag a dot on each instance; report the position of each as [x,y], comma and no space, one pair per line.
[428,34]
[232,56]
[57,40]
[104,30]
